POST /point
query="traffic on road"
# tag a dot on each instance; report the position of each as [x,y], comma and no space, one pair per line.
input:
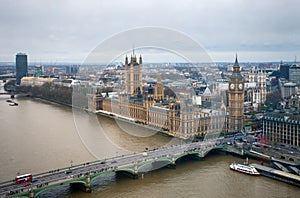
[64,175]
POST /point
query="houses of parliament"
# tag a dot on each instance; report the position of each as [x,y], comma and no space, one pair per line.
[175,116]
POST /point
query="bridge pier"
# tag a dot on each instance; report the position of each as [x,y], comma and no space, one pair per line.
[172,165]
[88,187]
[202,154]
[135,172]
[31,193]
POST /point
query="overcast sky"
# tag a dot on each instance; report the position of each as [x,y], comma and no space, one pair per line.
[67,31]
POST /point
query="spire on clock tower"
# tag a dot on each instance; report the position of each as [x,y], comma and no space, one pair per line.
[236,66]
[236,61]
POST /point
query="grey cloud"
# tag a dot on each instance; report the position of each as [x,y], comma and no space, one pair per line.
[77,27]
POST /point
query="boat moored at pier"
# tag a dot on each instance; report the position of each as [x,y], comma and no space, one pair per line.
[244,168]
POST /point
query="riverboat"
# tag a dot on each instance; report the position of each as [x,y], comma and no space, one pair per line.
[244,168]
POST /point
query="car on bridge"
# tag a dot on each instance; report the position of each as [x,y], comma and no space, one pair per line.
[68,171]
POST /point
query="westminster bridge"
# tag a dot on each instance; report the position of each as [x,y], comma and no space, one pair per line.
[134,165]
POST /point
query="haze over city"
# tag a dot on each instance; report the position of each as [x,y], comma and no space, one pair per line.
[133,98]
[67,31]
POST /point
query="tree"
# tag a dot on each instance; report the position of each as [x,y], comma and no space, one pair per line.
[273,98]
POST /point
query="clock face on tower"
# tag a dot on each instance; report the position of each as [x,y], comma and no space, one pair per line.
[240,86]
[232,86]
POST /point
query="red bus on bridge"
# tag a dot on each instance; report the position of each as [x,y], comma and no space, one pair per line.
[24,178]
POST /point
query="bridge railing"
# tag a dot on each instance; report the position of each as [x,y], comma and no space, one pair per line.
[87,163]
[74,166]
[5,182]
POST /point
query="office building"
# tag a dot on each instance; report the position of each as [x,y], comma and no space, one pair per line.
[21,67]
[294,74]
[282,128]
[284,70]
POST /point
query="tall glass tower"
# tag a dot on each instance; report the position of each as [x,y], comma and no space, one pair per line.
[21,67]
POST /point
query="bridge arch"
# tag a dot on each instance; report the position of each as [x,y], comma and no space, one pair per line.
[99,174]
[127,172]
[208,150]
[178,157]
[154,164]
[145,166]
[38,191]
[78,182]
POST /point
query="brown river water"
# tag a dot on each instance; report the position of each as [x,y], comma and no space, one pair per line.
[38,136]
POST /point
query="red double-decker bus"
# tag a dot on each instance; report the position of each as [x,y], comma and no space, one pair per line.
[24,178]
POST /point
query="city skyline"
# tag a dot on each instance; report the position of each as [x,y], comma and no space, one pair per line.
[67,32]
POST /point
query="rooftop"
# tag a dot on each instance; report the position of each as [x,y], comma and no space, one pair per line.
[20,53]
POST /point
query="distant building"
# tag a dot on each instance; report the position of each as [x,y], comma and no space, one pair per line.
[284,70]
[287,89]
[294,101]
[256,88]
[39,70]
[95,101]
[294,74]
[36,81]
[235,100]
[21,67]
[206,96]
[197,100]
[72,69]
[156,90]
[282,128]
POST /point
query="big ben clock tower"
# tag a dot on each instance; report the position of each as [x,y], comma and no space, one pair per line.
[236,99]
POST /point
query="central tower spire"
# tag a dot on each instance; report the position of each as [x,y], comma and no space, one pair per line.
[133,54]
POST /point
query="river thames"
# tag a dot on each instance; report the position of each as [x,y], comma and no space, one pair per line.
[38,136]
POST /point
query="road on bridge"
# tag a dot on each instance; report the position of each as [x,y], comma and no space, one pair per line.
[64,175]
